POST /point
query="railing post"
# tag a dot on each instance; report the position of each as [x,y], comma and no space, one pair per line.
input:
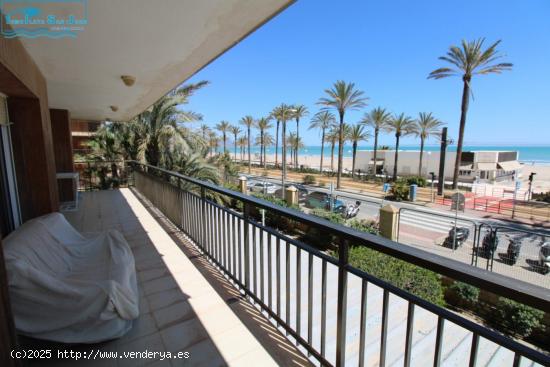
[246,238]
[203,221]
[343,261]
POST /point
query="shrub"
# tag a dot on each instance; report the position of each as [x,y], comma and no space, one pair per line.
[333,217]
[517,317]
[309,180]
[465,292]
[272,219]
[542,196]
[400,190]
[416,180]
[364,225]
[419,281]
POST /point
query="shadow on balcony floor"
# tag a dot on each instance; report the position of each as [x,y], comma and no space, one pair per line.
[186,305]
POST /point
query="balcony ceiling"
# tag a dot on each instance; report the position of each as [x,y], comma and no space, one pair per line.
[160,43]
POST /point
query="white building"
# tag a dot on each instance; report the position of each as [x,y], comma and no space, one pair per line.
[486,166]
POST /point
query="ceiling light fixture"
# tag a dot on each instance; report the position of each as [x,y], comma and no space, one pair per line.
[128,80]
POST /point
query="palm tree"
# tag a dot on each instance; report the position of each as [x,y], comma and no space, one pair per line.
[467,61]
[342,97]
[162,123]
[425,126]
[299,112]
[283,113]
[332,137]
[274,114]
[322,120]
[213,142]
[263,125]
[269,140]
[204,131]
[357,133]
[235,130]
[401,125]
[378,120]
[248,121]
[241,142]
[224,128]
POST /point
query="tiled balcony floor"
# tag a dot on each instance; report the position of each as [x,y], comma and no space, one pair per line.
[186,304]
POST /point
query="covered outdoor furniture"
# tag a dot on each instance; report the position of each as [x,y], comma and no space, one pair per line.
[68,287]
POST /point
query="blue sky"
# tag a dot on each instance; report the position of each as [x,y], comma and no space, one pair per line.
[388,48]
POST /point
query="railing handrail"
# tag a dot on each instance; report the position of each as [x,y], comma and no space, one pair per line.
[514,289]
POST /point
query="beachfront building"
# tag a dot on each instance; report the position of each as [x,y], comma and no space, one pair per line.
[214,284]
[476,166]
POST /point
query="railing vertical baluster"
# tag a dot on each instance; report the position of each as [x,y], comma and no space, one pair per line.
[246,210]
[278,265]
[269,276]
[287,273]
[310,300]
[262,284]
[323,307]
[362,325]
[254,261]
[384,332]
[474,349]
[298,291]
[234,235]
[409,334]
[438,341]
[239,247]
[517,360]
[226,241]
[203,211]
[343,261]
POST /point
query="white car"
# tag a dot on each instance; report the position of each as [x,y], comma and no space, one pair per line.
[263,187]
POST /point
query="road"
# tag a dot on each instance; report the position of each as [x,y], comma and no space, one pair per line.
[427,228]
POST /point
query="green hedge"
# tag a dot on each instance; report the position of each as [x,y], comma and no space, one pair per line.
[517,317]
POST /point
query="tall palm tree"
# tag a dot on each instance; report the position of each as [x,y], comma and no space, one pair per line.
[204,131]
[263,124]
[401,125]
[342,97]
[235,130]
[213,142]
[269,140]
[299,111]
[357,133]
[283,113]
[248,121]
[162,122]
[322,120]
[378,120]
[241,142]
[468,60]
[425,126]
[332,137]
[224,127]
[275,113]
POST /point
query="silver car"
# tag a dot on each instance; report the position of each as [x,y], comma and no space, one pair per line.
[263,187]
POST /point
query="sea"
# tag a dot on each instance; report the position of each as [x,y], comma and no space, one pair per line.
[530,154]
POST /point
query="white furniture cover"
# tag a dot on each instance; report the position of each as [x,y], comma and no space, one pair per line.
[69,287]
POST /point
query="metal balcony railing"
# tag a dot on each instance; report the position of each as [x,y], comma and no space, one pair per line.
[281,275]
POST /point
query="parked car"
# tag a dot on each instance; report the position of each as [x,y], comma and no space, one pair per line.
[263,188]
[318,199]
[302,192]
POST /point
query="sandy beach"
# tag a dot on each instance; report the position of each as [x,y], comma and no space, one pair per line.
[541,182]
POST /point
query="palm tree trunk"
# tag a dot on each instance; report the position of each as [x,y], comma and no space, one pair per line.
[283,178]
[340,150]
[297,139]
[224,140]
[353,159]
[421,154]
[249,150]
[235,157]
[463,112]
[265,156]
[376,131]
[277,145]
[322,150]
[396,157]
[332,156]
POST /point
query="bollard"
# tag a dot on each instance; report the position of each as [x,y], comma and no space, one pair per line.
[389,219]
[412,192]
[291,196]
[242,185]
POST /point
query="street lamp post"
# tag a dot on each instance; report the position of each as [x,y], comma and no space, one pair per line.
[432,190]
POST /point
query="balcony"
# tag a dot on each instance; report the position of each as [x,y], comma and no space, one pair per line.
[185,303]
[219,284]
